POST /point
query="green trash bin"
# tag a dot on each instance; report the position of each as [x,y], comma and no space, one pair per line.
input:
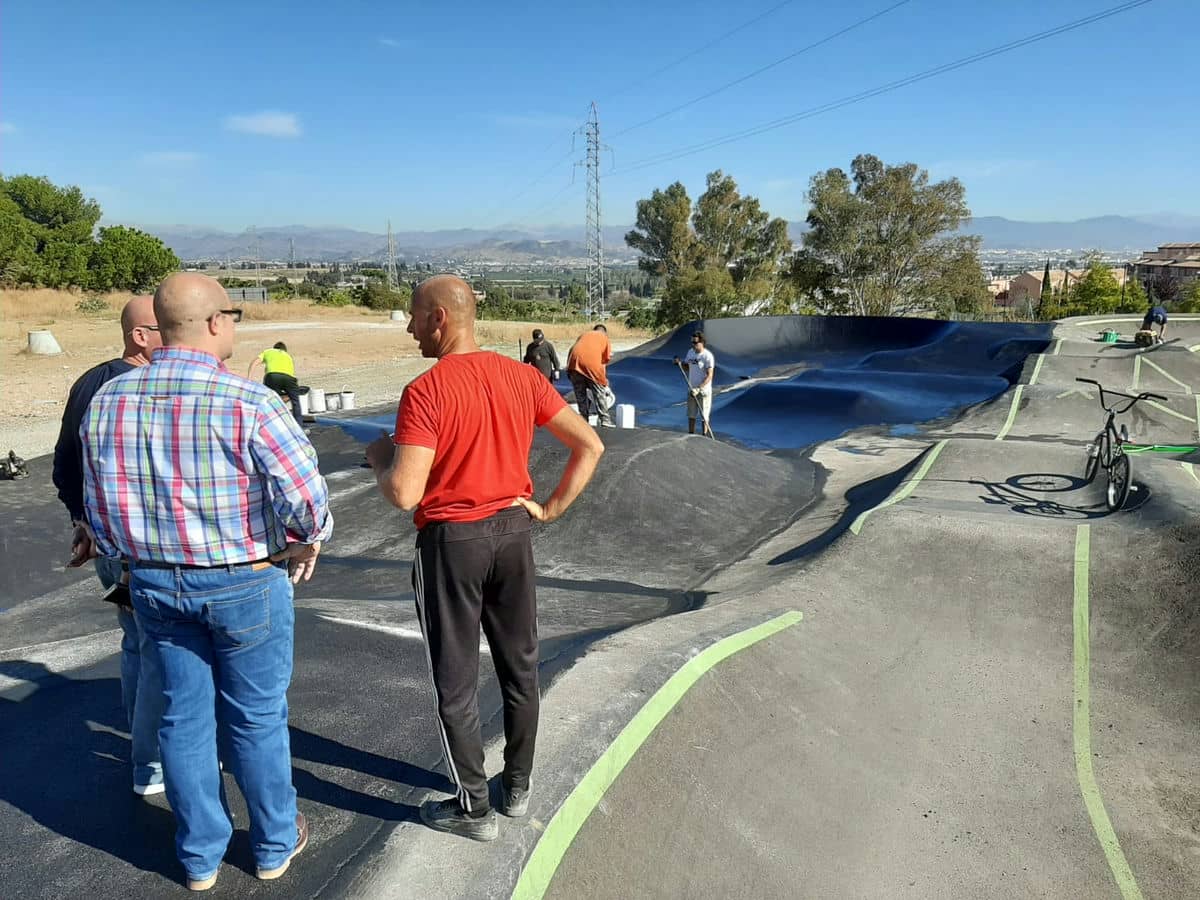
[1111,337]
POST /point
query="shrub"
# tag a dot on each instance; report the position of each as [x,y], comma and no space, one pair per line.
[91,306]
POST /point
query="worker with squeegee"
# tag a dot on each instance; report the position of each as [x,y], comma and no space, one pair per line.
[698,367]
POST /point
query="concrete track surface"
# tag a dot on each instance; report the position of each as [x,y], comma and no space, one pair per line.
[992,691]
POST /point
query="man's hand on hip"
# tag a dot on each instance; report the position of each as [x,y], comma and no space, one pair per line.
[83,545]
[537,511]
[301,560]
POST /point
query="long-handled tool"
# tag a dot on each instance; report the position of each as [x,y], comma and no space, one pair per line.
[699,404]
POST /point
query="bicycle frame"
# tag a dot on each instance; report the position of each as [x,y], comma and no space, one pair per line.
[1108,449]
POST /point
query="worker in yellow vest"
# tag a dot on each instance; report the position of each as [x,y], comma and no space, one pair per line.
[281,375]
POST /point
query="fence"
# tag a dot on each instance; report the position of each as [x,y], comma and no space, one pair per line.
[247,294]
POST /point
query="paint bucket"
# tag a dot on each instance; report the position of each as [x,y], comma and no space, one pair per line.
[333,400]
[1111,337]
[347,399]
[304,404]
[316,400]
[398,316]
[625,415]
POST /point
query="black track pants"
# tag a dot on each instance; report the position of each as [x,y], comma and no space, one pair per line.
[466,574]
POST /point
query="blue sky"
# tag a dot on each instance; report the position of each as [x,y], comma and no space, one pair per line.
[461,115]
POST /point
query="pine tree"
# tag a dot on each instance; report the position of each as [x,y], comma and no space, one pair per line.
[1047,291]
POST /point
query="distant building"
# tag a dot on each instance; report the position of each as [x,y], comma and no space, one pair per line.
[1176,262]
[244,294]
[1027,286]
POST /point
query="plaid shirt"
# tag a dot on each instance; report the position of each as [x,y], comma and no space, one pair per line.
[185,462]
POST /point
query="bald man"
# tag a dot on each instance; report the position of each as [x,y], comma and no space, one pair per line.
[460,457]
[141,686]
[205,483]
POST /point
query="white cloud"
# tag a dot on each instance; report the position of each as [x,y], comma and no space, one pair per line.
[268,123]
[8,128]
[170,157]
[391,42]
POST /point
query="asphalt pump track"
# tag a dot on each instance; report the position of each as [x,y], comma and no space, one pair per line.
[989,690]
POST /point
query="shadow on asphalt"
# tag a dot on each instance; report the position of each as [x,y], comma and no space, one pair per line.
[73,778]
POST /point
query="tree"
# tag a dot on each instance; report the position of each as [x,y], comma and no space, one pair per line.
[1190,301]
[699,294]
[377,295]
[1134,299]
[125,259]
[960,286]
[1047,288]
[1096,292]
[877,242]
[735,233]
[1164,288]
[662,234]
[18,245]
[577,297]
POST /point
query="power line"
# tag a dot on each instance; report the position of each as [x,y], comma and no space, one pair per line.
[699,50]
[771,65]
[671,155]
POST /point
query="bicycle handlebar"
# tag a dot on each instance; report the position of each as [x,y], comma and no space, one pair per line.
[1145,395]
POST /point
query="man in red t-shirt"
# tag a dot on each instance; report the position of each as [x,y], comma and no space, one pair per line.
[460,456]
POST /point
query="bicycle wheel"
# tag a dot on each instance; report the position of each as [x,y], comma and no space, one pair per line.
[1093,462]
[1119,479]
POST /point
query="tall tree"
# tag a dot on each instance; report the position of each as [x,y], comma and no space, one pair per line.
[662,234]
[1096,292]
[735,233]
[1047,289]
[125,259]
[880,240]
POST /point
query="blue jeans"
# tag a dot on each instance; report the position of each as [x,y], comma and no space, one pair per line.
[224,639]
[141,685]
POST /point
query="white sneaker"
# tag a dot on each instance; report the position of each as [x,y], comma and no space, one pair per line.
[146,790]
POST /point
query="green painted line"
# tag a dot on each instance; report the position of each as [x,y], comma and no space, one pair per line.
[1037,368]
[1166,374]
[1194,348]
[1198,415]
[1160,448]
[554,843]
[1012,413]
[1058,346]
[1082,726]
[1172,412]
[1137,372]
[905,489]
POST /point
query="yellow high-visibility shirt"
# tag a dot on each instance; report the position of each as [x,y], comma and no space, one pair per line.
[278,361]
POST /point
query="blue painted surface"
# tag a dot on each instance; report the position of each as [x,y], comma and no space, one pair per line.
[791,381]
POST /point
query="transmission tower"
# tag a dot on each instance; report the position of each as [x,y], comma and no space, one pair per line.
[392,280]
[291,253]
[594,238]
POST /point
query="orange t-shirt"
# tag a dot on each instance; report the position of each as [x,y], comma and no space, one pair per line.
[477,412]
[590,355]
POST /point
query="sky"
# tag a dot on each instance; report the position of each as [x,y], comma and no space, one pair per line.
[467,114]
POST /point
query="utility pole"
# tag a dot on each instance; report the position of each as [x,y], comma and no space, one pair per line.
[392,281]
[292,263]
[594,238]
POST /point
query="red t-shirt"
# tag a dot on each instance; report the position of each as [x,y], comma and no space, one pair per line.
[477,412]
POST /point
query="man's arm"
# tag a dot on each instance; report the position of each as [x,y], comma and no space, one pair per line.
[586,449]
[401,471]
[253,363]
[287,463]
[554,357]
[709,376]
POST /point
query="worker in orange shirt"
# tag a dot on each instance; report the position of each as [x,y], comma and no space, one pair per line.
[586,369]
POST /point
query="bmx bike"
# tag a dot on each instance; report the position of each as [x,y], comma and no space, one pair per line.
[1108,447]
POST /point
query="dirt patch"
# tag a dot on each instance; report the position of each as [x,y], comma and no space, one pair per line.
[349,347]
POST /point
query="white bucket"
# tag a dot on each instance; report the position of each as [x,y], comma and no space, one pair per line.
[593,420]
[304,404]
[316,400]
[625,415]
[333,400]
[398,316]
[347,399]
[42,343]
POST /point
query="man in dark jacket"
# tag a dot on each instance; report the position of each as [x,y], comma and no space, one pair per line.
[141,683]
[540,354]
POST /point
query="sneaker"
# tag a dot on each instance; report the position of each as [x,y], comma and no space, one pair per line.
[148,790]
[514,801]
[202,884]
[301,843]
[447,816]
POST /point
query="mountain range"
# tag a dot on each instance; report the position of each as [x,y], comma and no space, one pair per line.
[518,245]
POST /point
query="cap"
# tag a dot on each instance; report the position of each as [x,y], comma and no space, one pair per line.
[537,334]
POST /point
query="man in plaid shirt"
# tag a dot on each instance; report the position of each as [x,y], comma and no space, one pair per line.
[207,486]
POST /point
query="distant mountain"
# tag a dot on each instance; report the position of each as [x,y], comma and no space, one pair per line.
[524,244]
[1103,233]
